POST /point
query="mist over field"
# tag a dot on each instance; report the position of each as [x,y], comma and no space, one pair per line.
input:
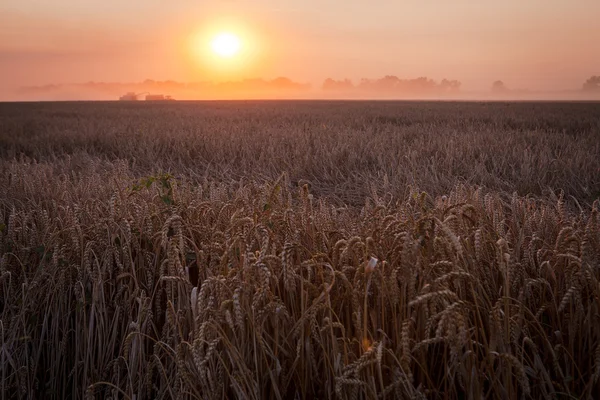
[389,87]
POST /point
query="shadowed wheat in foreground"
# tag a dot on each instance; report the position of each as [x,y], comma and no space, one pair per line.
[405,268]
[471,296]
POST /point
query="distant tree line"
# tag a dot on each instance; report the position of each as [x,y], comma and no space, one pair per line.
[388,86]
[393,84]
[592,84]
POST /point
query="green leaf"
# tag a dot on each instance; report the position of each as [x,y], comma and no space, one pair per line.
[40,249]
[2,227]
[148,181]
[276,190]
[266,207]
[167,199]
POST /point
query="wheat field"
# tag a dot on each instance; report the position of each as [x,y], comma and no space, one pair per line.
[300,250]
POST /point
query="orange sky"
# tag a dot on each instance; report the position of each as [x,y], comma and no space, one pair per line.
[535,44]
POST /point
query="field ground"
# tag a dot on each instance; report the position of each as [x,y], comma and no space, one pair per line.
[300,250]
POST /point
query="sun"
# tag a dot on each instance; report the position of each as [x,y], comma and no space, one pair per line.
[226,44]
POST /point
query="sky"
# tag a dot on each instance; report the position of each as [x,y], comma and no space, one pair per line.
[534,44]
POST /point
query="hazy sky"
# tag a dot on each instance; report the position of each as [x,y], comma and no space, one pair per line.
[536,44]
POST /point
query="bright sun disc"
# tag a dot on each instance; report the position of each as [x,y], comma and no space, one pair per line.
[225,44]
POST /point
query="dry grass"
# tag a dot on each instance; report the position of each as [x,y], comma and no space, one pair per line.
[235,278]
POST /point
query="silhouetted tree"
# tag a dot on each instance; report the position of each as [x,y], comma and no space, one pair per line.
[420,85]
[389,81]
[498,87]
[592,84]
[331,84]
[283,82]
[450,86]
[366,84]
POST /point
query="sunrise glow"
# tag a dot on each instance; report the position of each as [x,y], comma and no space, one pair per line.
[226,44]
[359,51]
